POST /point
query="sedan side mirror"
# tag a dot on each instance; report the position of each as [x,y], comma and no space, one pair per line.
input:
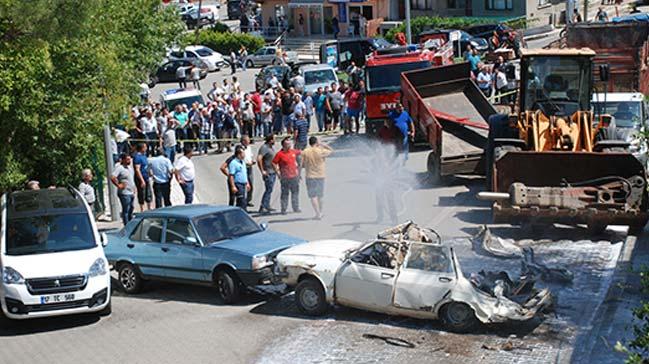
[264,226]
[104,239]
[190,240]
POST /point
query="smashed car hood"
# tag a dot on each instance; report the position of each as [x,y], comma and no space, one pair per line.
[322,248]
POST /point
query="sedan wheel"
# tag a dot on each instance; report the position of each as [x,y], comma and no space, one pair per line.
[228,287]
[310,297]
[129,279]
[249,64]
[458,317]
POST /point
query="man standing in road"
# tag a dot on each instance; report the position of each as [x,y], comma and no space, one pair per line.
[161,171]
[335,104]
[185,173]
[403,122]
[286,161]
[250,161]
[238,178]
[181,76]
[196,77]
[268,171]
[225,169]
[141,165]
[319,100]
[301,131]
[123,179]
[169,140]
[313,161]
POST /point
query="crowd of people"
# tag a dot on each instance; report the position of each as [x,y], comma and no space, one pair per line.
[492,78]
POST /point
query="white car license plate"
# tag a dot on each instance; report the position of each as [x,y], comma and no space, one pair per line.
[56,298]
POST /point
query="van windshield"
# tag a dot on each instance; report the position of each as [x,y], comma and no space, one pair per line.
[49,234]
[319,76]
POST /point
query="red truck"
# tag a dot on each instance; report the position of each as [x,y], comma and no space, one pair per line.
[451,114]
[382,78]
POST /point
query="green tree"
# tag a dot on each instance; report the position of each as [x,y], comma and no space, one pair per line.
[67,67]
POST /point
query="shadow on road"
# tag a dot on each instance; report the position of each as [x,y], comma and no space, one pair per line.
[45,324]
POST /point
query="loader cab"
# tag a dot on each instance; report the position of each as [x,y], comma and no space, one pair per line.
[556,82]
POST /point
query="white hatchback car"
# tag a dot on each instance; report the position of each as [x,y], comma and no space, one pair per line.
[213,60]
[403,272]
[51,256]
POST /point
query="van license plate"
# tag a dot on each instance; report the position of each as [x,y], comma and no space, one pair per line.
[56,298]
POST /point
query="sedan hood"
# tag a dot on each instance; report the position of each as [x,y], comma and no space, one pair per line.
[261,243]
[323,248]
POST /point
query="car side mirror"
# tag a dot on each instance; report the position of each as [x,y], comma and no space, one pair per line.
[264,226]
[104,239]
[190,240]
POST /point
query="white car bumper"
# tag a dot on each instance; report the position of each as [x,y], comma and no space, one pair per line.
[19,303]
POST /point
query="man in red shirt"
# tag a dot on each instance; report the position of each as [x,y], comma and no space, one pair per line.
[286,160]
[255,98]
[354,99]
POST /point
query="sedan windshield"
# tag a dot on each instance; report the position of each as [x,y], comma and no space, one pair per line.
[225,225]
[627,114]
[319,76]
[204,52]
[49,233]
[388,77]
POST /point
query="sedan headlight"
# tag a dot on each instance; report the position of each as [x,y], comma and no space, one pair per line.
[259,262]
[98,268]
[11,276]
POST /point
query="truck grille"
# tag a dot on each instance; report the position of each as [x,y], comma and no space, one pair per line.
[56,284]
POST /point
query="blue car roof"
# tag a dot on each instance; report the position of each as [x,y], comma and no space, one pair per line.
[188,211]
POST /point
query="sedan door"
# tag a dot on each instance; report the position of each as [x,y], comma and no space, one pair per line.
[426,277]
[183,258]
[366,282]
[144,246]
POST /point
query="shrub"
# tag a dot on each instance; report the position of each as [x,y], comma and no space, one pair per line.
[226,42]
[421,23]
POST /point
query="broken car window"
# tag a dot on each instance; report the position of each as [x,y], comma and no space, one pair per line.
[428,258]
[378,254]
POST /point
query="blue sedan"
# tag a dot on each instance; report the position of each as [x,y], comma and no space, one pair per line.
[196,244]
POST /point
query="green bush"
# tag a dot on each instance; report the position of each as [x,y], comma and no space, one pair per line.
[421,23]
[226,42]
[220,28]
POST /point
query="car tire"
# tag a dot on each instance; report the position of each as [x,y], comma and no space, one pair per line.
[310,297]
[228,286]
[249,64]
[129,278]
[106,311]
[458,317]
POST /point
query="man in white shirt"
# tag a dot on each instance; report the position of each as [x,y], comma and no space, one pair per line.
[484,80]
[250,161]
[181,76]
[85,188]
[148,127]
[273,82]
[300,106]
[185,173]
[501,84]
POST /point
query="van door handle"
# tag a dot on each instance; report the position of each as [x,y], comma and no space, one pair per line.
[445,279]
[165,249]
[387,275]
[130,246]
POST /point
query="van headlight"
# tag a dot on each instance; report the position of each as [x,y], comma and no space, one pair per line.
[11,276]
[98,268]
[259,262]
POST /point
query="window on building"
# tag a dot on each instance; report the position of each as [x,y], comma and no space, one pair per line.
[456,4]
[500,4]
[421,4]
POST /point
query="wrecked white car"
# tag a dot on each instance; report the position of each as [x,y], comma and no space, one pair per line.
[399,276]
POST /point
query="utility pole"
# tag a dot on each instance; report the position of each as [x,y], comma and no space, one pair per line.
[585,17]
[408,31]
[198,21]
[112,194]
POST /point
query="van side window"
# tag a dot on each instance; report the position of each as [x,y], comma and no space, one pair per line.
[149,230]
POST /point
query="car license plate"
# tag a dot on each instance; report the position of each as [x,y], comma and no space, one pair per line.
[56,298]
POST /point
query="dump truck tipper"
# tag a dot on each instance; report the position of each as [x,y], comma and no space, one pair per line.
[451,115]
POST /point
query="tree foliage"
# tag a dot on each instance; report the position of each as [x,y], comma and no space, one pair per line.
[225,42]
[422,23]
[66,68]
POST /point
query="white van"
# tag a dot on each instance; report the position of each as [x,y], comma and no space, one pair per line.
[51,256]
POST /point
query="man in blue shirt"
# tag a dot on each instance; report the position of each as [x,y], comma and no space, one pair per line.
[239,178]
[142,180]
[403,122]
[161,170]
[300,133]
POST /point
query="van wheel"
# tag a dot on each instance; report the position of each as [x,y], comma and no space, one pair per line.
[458,317]
[228,287]
[106,311]
[249,64]
[129,278]
[310,297]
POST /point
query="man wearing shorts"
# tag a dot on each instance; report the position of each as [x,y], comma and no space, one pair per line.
[313,161]
[354,100]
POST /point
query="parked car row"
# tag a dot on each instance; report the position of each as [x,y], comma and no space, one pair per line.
[189,13]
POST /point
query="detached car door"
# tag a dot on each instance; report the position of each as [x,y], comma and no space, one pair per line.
[366,279]
[183,258]
[426,277]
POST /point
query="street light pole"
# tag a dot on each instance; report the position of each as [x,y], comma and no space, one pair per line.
[408,31]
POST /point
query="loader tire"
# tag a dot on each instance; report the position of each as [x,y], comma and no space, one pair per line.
[434,169]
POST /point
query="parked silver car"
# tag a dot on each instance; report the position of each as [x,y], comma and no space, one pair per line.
[270,55]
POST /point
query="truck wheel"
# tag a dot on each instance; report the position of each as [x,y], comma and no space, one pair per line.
[434,170]
[228,287]
[129,278]
[310,297]
[458,317]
